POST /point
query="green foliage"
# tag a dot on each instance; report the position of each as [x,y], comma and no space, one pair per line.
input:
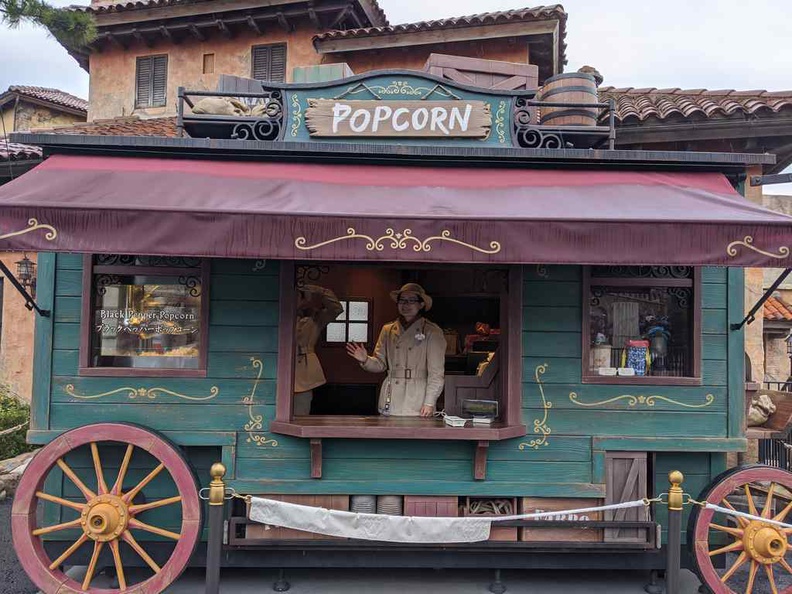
[13,412]
[72,28]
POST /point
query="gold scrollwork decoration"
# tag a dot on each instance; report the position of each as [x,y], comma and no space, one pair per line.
[398,241]
[541,271]
[747,242]
[33,225]
[259,265]
[540,425]
[500,122]
[256,422]
[142,392]
[296,115]
[641,400]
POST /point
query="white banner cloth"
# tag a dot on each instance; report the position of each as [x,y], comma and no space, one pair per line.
[368,526]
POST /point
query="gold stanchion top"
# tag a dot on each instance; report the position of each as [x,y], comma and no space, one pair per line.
[217,471]
[676,478]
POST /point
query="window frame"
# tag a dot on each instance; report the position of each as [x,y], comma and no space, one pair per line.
[150,104]
[369,324]
[269,46]
[643,380]
[511,425]
[86,323]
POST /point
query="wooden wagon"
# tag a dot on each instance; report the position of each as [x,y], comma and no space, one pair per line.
[608,284]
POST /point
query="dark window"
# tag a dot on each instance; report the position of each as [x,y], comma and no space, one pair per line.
[641,324]
[269,62]
[147,316]
[151,81]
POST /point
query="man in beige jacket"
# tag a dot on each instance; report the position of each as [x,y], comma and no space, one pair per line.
[315,310]
[411,350]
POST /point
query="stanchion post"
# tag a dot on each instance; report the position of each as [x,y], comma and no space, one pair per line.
[674,543]
[214,546]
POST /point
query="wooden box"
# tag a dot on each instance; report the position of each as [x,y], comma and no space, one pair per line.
[431,507]
[264,531]
[507,533]
[536,505]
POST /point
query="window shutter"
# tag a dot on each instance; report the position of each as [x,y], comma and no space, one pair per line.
[269,63]
[152,81]
[143,82]
[278,63]
[159,81]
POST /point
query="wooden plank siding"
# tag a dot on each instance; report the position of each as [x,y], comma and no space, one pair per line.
[243,324]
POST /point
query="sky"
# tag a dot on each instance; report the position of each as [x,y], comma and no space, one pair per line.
[713,44]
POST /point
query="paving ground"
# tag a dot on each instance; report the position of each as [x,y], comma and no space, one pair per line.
[12,579]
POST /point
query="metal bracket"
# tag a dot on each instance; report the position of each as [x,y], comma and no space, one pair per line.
[30,303]
[766,180]
[752,314]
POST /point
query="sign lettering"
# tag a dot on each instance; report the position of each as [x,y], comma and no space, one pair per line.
[417,119]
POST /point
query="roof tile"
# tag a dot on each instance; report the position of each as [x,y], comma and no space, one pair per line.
[126,126]
[776,309]
[13,151]
[55,96]
[641,104]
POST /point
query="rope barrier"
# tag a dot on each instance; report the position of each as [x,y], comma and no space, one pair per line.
[13,429]
[739,514]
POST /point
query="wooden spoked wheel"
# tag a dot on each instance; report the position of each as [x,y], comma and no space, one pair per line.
[107,510]
[740,555]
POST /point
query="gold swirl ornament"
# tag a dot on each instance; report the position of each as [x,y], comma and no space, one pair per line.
[141,392]
[397,241]
[642,400]
[33,225]
[540,425]
[747,242]
[256,422]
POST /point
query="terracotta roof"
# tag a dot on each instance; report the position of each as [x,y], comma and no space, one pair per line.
[537,13]
[776,309]
[126,126]
[13,151]
[53,96]
[641,104]
[108,6]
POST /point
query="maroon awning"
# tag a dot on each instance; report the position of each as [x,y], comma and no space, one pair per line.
[126,205]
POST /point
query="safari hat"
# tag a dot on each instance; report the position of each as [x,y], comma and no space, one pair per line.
[413,288]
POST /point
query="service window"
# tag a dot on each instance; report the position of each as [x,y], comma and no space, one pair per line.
[641,325]
[472,316]
[147,316]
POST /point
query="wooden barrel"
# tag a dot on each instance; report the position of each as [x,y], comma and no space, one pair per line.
[575,87]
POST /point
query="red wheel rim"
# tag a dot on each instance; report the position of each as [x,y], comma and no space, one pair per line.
[30,548]
[702,520]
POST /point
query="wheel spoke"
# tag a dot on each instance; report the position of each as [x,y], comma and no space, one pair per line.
[92,565]
[771,577]
[785,565]
[780,517]
[130,540]
[768,507]
[741,521]
[735,546]
[153,529]
[751,576]
[136,509]
[68,552]
[64,502]
[116,490]
[56,528]
[733,531]
[737,564]
[131,495]
[751,505]
[87,493]
[101,485]
[118,565]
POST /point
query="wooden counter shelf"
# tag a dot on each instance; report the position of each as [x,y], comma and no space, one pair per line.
[348,427]
[345,427]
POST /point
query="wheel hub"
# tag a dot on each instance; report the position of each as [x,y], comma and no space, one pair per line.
[764,542]
[104,518]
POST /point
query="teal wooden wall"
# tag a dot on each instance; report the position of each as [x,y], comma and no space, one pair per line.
[562,455]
